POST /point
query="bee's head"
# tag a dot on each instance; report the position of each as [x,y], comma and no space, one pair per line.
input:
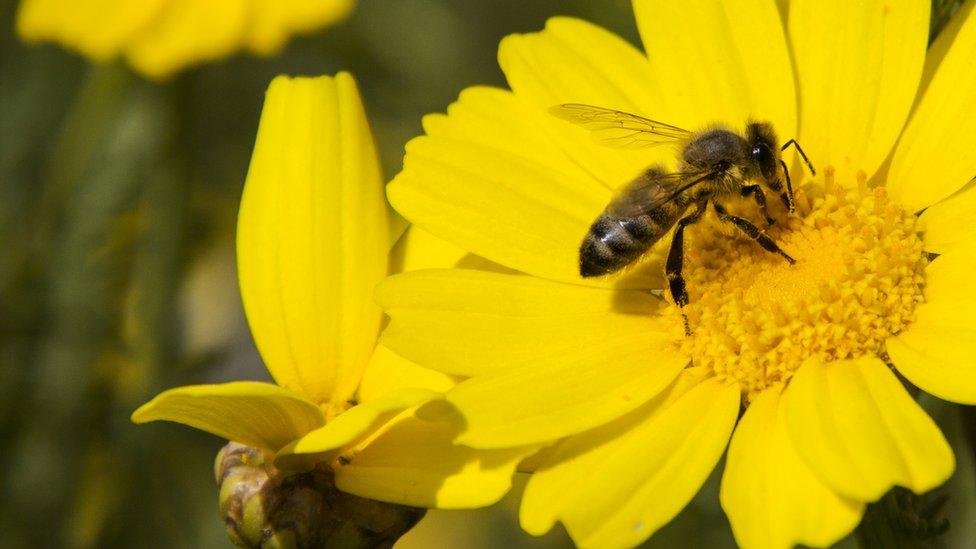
[762,139]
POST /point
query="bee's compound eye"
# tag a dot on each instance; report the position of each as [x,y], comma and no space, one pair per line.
[766,160]
[762,154]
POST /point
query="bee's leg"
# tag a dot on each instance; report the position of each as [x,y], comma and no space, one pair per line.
[751,231]
[787,197]
[672,269]
[760,197]
[803,155]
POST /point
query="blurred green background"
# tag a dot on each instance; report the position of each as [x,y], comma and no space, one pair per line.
[118,200]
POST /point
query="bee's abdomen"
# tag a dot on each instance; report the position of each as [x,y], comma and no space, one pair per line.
[613,243]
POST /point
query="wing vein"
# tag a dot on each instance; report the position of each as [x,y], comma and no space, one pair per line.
[619,129]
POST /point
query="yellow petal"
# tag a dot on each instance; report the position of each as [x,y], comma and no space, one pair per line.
[388,372]
[616,485]
[861,433]
[271,21]
[573,61]
[417,249]
[713,64]
[531,463]
[771,497]
[784,9]
[471,322]
[100,29]
[950,222]
[504,180]
[553,360]
[858,67]
[163,36]
[249,412]
[576,61]
[935,156]
[517,212]
[413,462]
[354,423]
[936,352]
[499,119]
[186,32]
[312,237]
[551,400]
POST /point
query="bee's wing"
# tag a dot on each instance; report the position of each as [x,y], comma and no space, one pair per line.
[652,190]
[620,129]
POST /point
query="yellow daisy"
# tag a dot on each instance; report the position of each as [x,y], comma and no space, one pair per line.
[312,243]
[638,414]
[160,37]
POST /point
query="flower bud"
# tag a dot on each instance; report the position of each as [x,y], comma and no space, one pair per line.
[267,508]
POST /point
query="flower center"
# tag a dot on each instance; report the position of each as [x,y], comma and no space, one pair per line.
[857,280]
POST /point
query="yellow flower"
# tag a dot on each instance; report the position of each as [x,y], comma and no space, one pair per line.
[160,37]
[312,243]
[637,413]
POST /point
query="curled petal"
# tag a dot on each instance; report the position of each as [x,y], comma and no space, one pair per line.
[312,237]
[352,425]
[252,413]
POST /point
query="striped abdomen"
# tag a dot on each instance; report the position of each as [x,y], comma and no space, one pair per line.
[615,242]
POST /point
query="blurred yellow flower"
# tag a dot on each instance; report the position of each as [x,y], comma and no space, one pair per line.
[639,414]
[312,243]
[160,37]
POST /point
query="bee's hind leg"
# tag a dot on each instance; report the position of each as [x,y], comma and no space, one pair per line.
[752,232]
[760,197]
[672,269]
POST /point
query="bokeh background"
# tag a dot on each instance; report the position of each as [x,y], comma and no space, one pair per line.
[118,201]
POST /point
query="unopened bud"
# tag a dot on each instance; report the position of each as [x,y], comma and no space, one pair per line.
[266,508]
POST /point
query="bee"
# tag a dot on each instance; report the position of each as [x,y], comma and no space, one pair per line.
[714,165]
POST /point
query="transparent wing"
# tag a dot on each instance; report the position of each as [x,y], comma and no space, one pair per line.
[652,190]
[620,129]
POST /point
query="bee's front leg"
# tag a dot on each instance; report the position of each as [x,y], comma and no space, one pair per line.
[787,195]
[760,197]
[751,231]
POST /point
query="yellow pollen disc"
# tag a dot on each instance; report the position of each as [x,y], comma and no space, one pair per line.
[857,280]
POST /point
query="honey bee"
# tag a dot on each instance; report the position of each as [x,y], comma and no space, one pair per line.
[713,165]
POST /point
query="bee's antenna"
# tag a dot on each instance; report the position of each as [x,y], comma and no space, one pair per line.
[802,154]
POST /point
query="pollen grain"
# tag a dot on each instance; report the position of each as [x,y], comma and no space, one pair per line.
[857,280]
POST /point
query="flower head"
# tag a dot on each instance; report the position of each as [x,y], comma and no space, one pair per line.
[858,278]
[637,412]
[160,37]
[312,243]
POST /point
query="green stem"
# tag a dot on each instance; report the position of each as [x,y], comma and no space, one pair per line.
[72,153]
[81,242]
